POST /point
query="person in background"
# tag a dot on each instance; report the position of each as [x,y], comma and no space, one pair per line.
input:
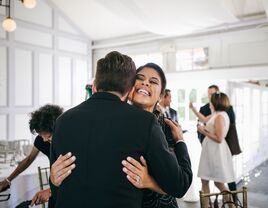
[41,122]
[216,158]
[150,82]
[165,108]
[205,111]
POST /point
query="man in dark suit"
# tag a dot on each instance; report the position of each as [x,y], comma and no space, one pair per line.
[104,130]
[205,110]
[165,108]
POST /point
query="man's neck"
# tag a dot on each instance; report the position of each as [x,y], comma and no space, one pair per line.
[122,97]
[163,106]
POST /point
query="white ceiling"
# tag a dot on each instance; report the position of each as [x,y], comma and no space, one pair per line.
[106,19]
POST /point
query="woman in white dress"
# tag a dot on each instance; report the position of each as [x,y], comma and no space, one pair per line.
[216,159]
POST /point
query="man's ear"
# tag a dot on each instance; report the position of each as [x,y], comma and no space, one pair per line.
[94,88]
[130,93]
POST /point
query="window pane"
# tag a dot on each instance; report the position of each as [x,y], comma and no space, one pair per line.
[142,59]
[193,95]
[184,60]
[3,77]
[64,81]
[80,79]
[200,58]
[192,59]
[45,79]
[23,78]
[181,95]
[3,127]
[181,113]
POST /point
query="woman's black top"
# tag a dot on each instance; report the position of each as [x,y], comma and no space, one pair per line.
[153,199]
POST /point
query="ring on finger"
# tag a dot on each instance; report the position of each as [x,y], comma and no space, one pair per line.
[138,178]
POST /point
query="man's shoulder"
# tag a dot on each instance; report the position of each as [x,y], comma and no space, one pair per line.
[205,106]
[205,110]
[138,111]
[173,110]
[38,140]
[69,112]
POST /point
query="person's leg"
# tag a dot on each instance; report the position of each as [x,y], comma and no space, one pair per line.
[232,187]
[205,189]
[222,188]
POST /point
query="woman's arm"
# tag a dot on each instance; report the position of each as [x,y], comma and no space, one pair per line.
[23,165]
[137,174]
[218,136]
[200,116]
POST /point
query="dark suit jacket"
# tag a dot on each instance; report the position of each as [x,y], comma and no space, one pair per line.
[173,114]
[103,131]
[205,110]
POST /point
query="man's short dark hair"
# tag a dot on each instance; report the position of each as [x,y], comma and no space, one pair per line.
[167,91]
[43,119]
[214,87]
[115,72]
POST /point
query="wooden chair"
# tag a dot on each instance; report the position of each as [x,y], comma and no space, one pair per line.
[4,197]
[230,199]
[43,174]
[6,148]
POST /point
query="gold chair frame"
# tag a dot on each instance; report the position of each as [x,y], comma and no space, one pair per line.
[43,174]
[225,203]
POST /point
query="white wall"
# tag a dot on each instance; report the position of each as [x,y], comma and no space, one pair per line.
[46,60]
[238,49]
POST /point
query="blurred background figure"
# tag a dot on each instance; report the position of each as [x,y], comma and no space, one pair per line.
[165,108]
[41,123]
[216,158]
[205,110]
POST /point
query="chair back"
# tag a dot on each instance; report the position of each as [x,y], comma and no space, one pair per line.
[43,174]
[230,199]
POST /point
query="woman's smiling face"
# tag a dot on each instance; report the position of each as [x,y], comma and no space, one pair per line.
[147,89]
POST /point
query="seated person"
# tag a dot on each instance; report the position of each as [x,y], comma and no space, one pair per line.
[41,122]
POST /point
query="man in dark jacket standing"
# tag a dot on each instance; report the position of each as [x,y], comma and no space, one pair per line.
[205,110]
[165,108]
[104,130]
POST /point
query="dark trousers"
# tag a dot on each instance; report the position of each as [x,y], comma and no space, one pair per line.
[232,187]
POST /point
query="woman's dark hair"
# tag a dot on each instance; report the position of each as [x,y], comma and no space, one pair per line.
[43,119]
[115,72]
[220,101]
[159,70]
